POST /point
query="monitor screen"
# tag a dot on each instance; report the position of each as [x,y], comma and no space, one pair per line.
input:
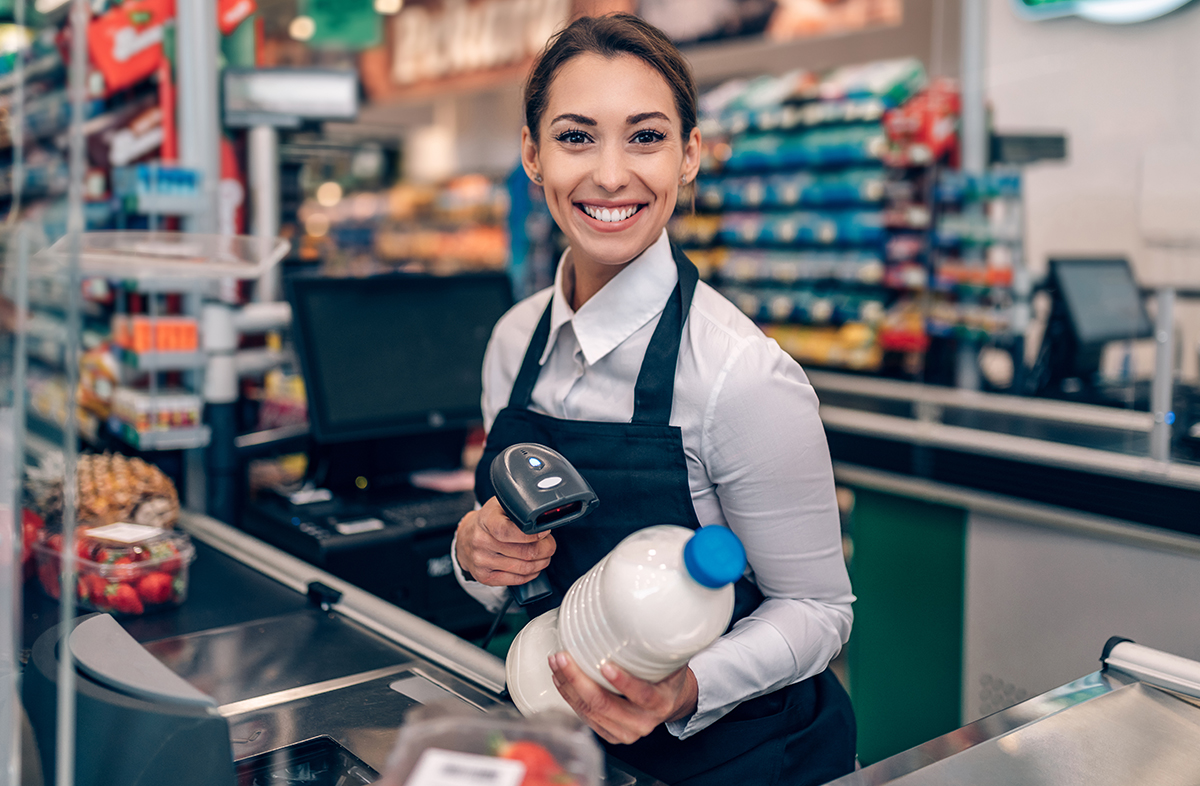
[394,354]
[1102,298]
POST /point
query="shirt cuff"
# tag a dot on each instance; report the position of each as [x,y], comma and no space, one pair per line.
[730,672]
[491,597]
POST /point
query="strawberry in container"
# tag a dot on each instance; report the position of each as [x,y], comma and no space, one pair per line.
[31,531]
[124,569]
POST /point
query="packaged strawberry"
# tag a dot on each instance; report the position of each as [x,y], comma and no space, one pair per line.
[439,742]
[124,569]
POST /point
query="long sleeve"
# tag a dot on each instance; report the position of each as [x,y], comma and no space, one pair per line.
[765,453]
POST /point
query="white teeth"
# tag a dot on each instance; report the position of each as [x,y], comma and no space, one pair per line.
[610,216]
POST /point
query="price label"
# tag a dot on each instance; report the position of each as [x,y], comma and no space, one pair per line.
[124,533]
[438,767]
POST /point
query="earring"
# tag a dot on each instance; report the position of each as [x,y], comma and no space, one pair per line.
[537,178]
[683,181]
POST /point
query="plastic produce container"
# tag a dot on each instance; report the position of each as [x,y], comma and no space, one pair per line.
[442,743]
[123,569]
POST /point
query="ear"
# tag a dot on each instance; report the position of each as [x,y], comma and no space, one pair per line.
[691,157]
[529,155]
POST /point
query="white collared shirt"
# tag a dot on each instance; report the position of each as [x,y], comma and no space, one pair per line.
[756,456]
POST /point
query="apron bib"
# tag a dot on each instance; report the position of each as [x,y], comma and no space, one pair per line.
[639,472]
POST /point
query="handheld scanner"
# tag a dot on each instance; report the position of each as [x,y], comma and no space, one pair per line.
[539,490]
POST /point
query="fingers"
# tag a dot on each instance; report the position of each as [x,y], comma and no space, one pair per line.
[615,718]
[510,559]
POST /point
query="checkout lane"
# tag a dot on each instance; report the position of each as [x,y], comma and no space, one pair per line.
[296,658]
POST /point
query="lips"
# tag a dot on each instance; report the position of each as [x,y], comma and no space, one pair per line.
[614,216]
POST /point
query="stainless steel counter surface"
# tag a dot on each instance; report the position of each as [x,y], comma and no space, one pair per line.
[349,671]
[1105,729]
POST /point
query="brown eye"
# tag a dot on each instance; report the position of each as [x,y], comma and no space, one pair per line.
[573,137]
[648,137]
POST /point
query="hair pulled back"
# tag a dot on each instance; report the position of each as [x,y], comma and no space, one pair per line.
[611,36]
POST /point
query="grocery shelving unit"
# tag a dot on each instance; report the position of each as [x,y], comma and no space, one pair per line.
[813,207]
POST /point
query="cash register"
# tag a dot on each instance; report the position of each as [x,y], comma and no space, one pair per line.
[392,367]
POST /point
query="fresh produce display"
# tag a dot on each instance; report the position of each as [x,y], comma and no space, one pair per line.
[127,569]
[112,488]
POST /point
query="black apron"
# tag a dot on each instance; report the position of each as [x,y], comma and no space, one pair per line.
[802,734]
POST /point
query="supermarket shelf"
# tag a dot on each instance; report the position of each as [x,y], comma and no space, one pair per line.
[169,439]
[162,361]
[164,204]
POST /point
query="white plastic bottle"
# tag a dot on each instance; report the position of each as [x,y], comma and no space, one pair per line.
[662,595]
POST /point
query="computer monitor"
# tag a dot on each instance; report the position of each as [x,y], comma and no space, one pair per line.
[1093,302]
[394,356]
[1102,300]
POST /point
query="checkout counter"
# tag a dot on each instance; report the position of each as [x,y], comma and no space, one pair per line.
[304,668]
[996,541]
[981,523]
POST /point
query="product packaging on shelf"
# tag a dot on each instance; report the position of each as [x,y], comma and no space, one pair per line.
[439,742]
[124,569]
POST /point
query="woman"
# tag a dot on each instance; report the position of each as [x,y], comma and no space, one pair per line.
[677,410]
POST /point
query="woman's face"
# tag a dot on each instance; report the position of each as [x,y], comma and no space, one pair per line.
[611,156]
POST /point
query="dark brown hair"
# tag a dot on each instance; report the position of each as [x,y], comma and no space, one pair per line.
[610,36]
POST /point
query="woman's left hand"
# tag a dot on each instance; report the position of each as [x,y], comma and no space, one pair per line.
[627,718]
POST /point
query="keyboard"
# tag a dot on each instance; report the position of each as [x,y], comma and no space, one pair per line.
[443,510]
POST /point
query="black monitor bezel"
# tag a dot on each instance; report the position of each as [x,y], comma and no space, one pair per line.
[1145,329]
[325,433]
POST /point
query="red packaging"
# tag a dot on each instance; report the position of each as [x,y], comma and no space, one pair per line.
[125,43]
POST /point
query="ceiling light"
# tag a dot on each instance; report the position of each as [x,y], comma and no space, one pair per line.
[329,194]
[302,28]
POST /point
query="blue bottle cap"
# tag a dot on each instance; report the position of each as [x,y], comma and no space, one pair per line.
[714,556]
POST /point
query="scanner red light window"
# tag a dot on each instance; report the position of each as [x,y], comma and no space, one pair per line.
[554,514]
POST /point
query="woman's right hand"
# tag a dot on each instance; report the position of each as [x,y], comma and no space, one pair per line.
[496,552]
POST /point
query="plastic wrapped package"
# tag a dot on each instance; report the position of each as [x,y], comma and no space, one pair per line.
[441,742]
[123,569]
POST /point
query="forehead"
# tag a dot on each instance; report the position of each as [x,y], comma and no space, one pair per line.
[606,88]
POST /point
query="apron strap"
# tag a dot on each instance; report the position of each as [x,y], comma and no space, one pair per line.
[531,366]
[655,388]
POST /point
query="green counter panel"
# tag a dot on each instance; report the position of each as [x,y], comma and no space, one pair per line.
[905,655]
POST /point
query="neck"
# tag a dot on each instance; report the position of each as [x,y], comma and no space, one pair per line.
[589,277]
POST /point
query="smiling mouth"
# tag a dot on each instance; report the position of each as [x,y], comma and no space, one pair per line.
[610,215]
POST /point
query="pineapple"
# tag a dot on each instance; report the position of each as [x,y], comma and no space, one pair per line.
[111,488]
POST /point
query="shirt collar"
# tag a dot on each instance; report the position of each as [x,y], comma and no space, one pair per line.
[631,299]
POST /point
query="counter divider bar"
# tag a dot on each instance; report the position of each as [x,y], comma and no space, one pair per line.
[304,691]
[425,639]
[1033,513]
[1038,451]
[999,403]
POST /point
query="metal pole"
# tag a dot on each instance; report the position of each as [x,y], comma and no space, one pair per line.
[1161,392]
[974,141]
[199,115]
[263,164]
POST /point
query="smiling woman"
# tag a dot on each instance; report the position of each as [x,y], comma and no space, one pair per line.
[611,175]
[677,410]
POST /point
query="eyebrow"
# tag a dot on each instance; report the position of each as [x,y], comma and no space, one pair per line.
[635,119]
[632,120]
[580,119]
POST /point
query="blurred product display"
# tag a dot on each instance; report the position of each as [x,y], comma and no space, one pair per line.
[814,209]
[265,380]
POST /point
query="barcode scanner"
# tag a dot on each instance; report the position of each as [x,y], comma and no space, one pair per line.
[539,490]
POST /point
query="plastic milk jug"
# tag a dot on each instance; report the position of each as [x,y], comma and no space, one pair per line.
[662,595]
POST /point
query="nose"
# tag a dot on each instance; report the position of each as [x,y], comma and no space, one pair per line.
[612,168]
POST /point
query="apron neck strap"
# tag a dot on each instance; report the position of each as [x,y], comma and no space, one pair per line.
[655,388]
